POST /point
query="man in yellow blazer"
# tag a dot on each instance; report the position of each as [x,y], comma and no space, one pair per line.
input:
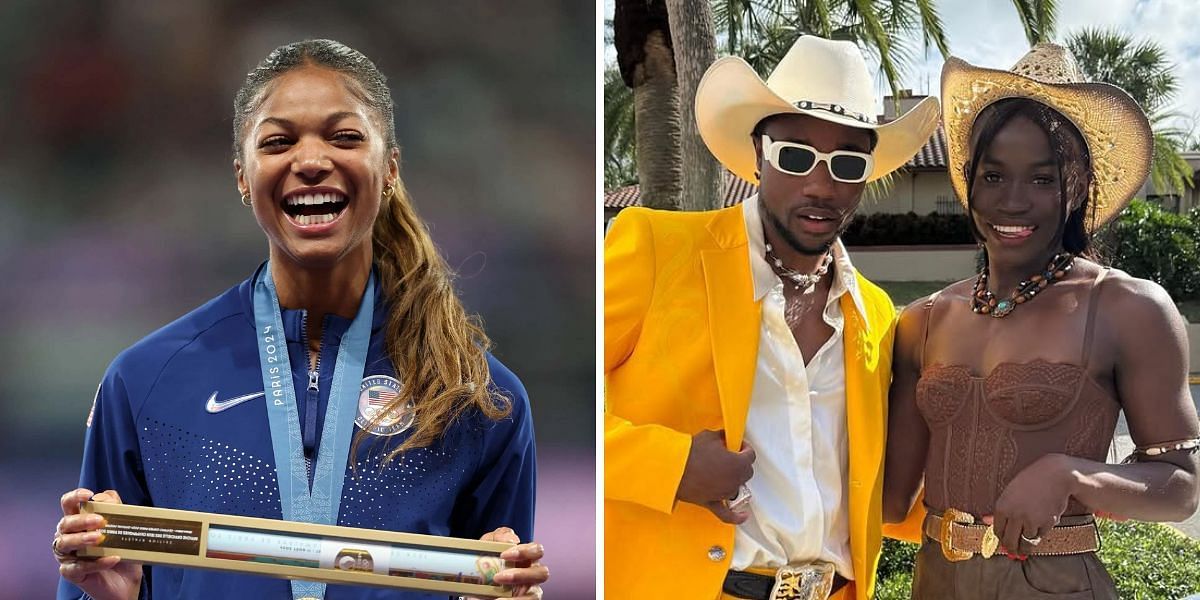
[746,361]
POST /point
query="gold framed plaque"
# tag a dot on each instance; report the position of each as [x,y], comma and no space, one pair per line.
[293,550]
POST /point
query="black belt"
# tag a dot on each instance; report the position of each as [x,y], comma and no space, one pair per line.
[753,586]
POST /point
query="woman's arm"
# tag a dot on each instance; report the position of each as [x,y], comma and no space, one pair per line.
[1141,323]
[1151,381]
[111,462]
[907,437]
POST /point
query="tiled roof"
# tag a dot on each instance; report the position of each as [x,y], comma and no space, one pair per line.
[622,197]
[931,156]
[736,190]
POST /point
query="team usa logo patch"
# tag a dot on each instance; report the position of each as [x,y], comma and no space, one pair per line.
[375,394]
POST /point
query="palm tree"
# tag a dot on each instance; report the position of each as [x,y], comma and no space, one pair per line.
[1142,69]
[1139,68]
[761,31]
[642,38]
[695,49]
[620,147]
[1038,19]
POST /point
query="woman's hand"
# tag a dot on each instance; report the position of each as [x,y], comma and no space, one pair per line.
[524,573]
[1032,503]
[105,578]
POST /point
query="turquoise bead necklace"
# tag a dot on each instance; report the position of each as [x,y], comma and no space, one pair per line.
[984,302]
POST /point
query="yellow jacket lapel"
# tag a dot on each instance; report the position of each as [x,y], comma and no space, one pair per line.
[864,427]
[733,323]
[733,317]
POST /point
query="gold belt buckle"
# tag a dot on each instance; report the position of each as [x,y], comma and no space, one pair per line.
[988,544]
[803,582]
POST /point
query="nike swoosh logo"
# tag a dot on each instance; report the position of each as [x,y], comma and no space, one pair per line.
[214,407]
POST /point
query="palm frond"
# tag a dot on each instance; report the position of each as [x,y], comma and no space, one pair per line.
[932,31]
[1046,17]
[1169,172]
[1141,68]
[620,144]
[881,188]
[1025,15]
[876,36]
[820,10]
[1039,18]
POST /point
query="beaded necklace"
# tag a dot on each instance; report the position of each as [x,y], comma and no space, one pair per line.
[801,281]
[984,302]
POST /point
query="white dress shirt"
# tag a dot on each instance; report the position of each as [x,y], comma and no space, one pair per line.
[797,427]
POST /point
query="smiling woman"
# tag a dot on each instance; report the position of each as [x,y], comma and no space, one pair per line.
[1007,387]
[394,410]
[314,165]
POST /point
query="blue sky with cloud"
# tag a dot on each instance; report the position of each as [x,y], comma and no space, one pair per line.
[988,33]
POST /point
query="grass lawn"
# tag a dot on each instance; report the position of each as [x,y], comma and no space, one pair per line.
[904,292]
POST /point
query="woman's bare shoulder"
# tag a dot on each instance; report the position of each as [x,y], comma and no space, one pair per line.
[1138,309]
[913,316]
[1123,291]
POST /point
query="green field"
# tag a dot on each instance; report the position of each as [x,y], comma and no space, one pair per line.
[904,292]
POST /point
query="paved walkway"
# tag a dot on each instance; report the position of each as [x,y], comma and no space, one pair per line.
[1123,445]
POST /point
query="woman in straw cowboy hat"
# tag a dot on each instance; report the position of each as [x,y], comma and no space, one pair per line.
[1007,386]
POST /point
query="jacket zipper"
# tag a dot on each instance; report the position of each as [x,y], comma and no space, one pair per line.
[314,389]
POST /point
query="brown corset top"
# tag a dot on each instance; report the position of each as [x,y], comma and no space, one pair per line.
[985,430]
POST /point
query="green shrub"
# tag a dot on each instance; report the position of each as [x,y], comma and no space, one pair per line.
[1146,560]
[897,587]
[1154,244]
[897,558]
[907,229]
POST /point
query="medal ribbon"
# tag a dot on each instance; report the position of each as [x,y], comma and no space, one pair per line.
[320,505]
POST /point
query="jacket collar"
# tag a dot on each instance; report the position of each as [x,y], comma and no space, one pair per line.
[246,295]
[845,275]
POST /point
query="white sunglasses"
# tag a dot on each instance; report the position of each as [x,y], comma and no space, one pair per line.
[792,158]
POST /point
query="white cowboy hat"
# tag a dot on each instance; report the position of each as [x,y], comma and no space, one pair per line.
[820,78]
[1113,126]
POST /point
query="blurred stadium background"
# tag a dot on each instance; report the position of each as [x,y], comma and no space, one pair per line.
[118,211]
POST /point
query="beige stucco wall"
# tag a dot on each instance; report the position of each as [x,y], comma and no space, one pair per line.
[914,263]
[917,192]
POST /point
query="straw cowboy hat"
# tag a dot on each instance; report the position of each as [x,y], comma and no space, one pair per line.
[1113,126]
[820,78]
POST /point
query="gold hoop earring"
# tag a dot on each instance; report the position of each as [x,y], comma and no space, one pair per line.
[246,200]
[388,190]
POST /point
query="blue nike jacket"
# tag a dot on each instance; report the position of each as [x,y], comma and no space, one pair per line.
[179,421]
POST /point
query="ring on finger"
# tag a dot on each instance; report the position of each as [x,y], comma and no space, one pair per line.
[741,499]
[1032,541]
[58,553]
